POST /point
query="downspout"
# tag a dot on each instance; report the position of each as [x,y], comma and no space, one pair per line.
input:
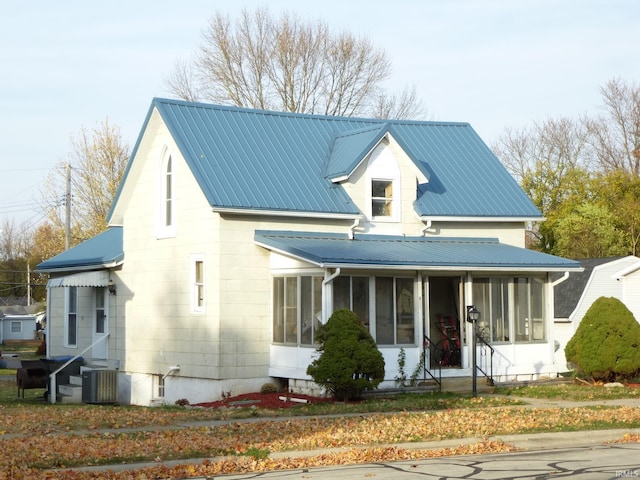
[560,280]
[325,282]
[353,227]
[427,226]
[172,369]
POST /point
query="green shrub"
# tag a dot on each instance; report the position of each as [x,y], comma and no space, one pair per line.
[605,345]
[349,361]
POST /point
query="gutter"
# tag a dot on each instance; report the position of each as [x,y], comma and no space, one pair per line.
[286,213]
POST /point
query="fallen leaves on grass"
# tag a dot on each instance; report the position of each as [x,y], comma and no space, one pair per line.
[244,464]
[240,439]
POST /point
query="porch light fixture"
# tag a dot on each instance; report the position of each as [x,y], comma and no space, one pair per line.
[112,287]
[473,315]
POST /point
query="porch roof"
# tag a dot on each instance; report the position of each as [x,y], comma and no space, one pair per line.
[102,251]
[332,250]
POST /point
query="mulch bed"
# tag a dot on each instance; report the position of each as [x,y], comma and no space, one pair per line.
[265,400]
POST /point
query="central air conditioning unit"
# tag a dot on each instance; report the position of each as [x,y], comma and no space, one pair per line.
[100,386]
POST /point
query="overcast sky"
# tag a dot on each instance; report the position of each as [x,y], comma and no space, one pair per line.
[493,63]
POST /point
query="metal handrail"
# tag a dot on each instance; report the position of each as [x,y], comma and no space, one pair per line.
[426,362]
[486,344]
[52,376]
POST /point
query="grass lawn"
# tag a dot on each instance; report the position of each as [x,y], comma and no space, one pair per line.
[573,392]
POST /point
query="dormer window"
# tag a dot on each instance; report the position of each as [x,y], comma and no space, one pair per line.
[382,198]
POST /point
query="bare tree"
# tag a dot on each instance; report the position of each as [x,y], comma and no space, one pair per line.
[549,161]
[98,159]
[545,157]
[402,106]
[14,255]
[615,134]
[290,65]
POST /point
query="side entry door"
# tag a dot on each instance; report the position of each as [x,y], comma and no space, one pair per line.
[100,325]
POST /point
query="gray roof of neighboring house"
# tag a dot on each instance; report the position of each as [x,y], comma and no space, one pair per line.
[102,251]
[568,293]
[261,160]
[385,251]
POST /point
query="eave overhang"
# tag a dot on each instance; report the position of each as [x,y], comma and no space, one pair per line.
[381,252]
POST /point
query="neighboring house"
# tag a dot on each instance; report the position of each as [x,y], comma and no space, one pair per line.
[602,277]
[17,327]
[236,232]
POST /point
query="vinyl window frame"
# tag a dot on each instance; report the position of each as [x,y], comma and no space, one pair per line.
[198,283]
[71,317]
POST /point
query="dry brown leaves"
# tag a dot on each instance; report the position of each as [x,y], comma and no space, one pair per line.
[358,439]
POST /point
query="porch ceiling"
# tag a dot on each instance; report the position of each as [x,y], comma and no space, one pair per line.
[399,252]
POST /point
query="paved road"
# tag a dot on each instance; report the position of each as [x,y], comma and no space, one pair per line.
[580,463]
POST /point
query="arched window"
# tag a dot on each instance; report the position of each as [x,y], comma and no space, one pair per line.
[168,193]
[166,197]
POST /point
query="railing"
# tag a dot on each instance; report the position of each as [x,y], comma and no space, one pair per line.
[427,345]
[483,355]
[52,376]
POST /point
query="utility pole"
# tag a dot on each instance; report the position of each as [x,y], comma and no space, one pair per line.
[28,284]
[67,203]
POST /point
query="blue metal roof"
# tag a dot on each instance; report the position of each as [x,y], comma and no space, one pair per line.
[350,148]
[380,251]
[102,251]
[261,160]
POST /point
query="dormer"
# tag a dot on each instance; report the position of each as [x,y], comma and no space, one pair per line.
[378,174]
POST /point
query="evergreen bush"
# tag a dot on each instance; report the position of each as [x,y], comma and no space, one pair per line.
[349,361]
[605,345]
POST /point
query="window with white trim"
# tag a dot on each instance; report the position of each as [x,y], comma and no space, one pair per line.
[392,308]
[511,308]
[71,318]
[166,197]
[16,327]
[297,309]
[197,284]
[388,301]
[168,193]
[382,200]
[383,186]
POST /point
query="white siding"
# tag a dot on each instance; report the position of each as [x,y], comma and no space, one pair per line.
[631,292]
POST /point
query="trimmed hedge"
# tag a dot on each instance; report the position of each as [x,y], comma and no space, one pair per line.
[349,361]
[605,345]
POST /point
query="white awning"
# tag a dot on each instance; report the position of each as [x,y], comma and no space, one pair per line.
[85,279]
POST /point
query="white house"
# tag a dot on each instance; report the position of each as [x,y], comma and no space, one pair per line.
[602,277]
[236,232]
[17,327]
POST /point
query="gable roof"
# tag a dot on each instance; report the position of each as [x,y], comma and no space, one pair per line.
[568,293]
[331,250]
[102,251]
[246,159]
[350,148]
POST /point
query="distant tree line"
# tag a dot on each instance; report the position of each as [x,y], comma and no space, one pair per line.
[584,176]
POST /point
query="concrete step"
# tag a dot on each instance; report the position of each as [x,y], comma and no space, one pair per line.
[69,393]
[75,380]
